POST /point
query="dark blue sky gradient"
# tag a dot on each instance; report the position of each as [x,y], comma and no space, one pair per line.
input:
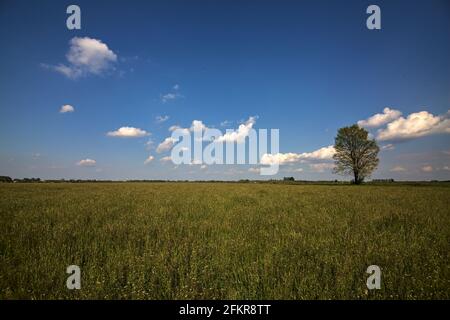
[305,67]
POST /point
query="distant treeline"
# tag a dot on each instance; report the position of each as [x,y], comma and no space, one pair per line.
[36,180]
[285,180]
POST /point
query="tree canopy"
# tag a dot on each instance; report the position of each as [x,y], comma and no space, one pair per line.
[356,154]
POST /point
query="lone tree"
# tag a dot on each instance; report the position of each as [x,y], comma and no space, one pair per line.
[356,154]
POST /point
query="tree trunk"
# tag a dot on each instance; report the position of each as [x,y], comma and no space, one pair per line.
[356,177]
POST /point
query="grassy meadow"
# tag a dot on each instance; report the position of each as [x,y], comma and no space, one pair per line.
[224,240]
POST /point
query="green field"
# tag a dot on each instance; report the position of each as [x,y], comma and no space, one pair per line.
[224,240]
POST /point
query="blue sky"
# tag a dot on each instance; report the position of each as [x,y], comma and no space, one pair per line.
[306,68]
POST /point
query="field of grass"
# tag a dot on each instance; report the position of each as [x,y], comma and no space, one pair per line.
[224,241]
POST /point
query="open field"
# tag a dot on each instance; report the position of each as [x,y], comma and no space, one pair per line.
[223,240]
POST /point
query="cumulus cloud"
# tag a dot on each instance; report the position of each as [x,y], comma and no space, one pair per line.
[128,132]
[161,119]
[324,153]
[66,108]
[240,134]
[174,127]
[91,54]
[380,119]
[166,145]
[198,125]
[427,168]
[149,159]
[86,56]
[416,125]
[87,163]
[320,154]
[280,158]
[397,169]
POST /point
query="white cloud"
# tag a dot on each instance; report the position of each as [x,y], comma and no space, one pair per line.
[176,87]
[87,163]
[91,54]
[128,132]
[320,154]
[321,167]
[241,133]
[427,168]
[324,153]
[416,125]
[280,158]
[149,159]
[161,119]
[397,169]
[198,125]
[380,119]
[175,127]
[86,56]
[166,145]
[66,108]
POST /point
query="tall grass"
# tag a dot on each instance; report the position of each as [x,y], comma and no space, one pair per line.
[223,241]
